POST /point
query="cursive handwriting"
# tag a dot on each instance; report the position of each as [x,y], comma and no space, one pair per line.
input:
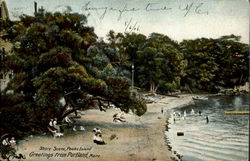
[191,7]
[126,9]
[104,10]
[196,8]
[151,7]
[88,7]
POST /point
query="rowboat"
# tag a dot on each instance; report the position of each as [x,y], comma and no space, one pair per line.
[199,98]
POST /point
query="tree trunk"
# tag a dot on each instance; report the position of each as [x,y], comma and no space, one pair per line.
[153,88]
[241,78]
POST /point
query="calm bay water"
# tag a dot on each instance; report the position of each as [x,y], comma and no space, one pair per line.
[224,137]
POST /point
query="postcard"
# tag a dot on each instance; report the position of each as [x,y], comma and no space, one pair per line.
[124,80]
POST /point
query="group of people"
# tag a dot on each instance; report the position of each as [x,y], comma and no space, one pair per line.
[11,154]
[9,142]
[54,128]
[179,114]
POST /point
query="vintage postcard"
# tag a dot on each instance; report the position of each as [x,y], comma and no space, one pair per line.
[124,80]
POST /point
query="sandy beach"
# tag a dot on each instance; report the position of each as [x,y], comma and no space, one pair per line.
[137,139]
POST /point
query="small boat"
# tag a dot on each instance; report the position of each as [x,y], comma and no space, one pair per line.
[180,133]
[199,98]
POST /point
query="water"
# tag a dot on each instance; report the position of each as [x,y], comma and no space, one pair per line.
[224,137]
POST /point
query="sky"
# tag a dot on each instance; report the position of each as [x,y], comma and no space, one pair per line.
[178,19]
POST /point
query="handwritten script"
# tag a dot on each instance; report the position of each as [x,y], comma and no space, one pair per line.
[128,13]
[186,9]
[131,26]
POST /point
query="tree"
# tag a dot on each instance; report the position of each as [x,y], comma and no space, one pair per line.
[53,60]
[160,64]
[201,64]
[215,63]
[233,61]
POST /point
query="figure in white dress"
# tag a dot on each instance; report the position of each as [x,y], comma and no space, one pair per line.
[67,120]
[57,127]
[192,112]
[97,137]
[6,142]
[185,113]
[118,117]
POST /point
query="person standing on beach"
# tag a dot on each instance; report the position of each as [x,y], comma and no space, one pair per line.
[184,113]
[207,119]
[192,112]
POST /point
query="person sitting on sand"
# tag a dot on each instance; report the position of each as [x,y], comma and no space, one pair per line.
[97,138]
[57,127]
[67,120]
[6,142]
[55,133]
[12,142]
[82,128]
[74,128]
[51,123]
[118,117]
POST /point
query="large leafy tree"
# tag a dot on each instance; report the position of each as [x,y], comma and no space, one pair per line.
[160,63]
[201,64]
[215,62]
[232,60]
[56,58]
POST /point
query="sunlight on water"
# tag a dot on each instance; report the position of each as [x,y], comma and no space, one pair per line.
[216,103]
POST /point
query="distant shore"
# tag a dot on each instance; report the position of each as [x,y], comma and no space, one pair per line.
[139,138]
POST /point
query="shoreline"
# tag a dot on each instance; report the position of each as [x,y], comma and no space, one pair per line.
[139,138]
